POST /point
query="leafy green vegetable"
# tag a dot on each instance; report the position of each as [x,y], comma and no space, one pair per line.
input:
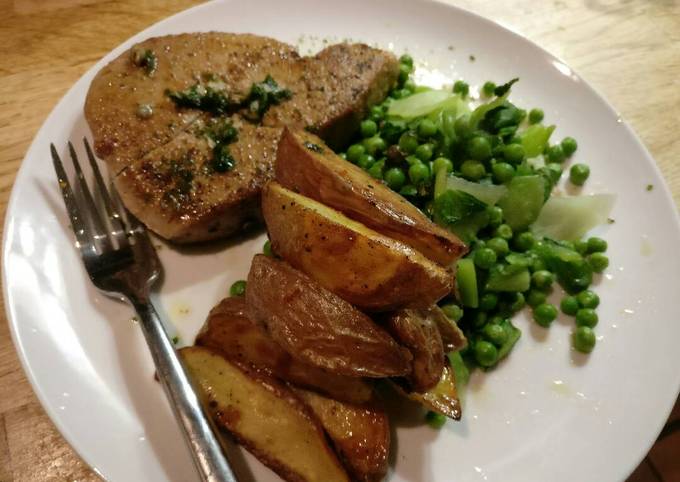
[466,281]
[487,193]
[503,120]
[501,90]
[535,139]
[523,201]
[514,334]
[573,271]
[461,374]
[263,95]
[146,59]
[569,218]
[504,277]
[422,103]
[453,206]
[480,112]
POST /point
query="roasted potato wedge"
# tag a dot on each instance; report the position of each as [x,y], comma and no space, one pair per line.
[416,330]
[360,434]
[305,165]
[318,327]
[369,270]
[452,336]
[229,331]
[265,417]
[443,398]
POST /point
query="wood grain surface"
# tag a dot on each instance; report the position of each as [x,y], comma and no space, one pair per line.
[629,50]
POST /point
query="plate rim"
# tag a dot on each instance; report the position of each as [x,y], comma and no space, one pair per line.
[12,318]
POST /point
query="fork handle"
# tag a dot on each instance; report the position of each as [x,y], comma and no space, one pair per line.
[197,425]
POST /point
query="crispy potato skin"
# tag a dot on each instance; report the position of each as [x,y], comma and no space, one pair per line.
[318,327]
[360,434]
[229,331]
[369,270]
[452,336]
[265,417]
[416,330]
[443,398]
[331,180]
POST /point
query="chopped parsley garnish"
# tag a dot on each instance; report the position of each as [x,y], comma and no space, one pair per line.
[313,147]
[650,187]
[221,132]
[203,97]
[263,95]
[214,100]
[501,90]
[146,59]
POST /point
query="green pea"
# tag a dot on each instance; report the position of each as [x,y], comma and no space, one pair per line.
[583,339]
[569,305]
[542,279]
[424,152]
[238,288]
[404,71]
[569,146]
[479,318]
[484,258]
[462,126]
[479,148]
[374,145]
[596,245]
[535,116]
[409,190]
[514,153]
[488,88]
[267,249]
[496,334]
[518,302]
[406,59]
[410,85]
[376,170]
[408,142]
[453,311]
[536,297]
[365,161]
[544,314]
[502,172]
[586,317]
[395,178]
[555,153]
[503,231]
[499,245]
[524,241]
[486,354]
[472,170]
[581,247]
[354,152]
[578,174]
[376,113]
[418,173]
[435,420]
[461,87]
[427,128]
[368,128]
[588,299]
[495,216]
[537,265]
[488,301]
[598,262]
[442,163]
[496,320]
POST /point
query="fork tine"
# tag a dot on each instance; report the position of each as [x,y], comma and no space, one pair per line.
[119,230]
[85,241]
[101,233]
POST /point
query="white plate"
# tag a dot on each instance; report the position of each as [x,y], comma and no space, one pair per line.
[545,414]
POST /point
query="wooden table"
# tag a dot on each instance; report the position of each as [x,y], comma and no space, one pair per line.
[628,49]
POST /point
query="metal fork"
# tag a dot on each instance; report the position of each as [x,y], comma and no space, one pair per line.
[120,260]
